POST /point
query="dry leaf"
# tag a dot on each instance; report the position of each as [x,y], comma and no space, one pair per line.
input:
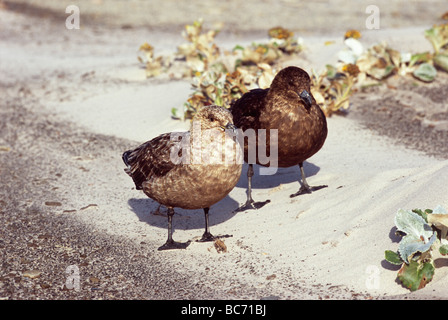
[220,246]
[440,221]
[352,34]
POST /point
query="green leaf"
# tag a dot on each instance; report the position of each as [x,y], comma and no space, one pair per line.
[425,72]
[441,61]
[419,235]
[174,113]
[197,23]
[420,57]
[331,71]
[381,73]
[412,224]
[393,257]
[423,214]
[443,249]
[438,36]
[218,101]
[416,275]
[411,244]
[388,71]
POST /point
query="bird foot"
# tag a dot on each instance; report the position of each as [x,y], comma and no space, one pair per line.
[207,237]
[170,244]
[251,205]
[307,189]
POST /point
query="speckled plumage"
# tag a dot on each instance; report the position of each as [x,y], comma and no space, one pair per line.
[288,107]
[199,175]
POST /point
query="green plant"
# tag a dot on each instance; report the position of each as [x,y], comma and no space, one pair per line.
[200,51]
[438,36]
[281,42]
[380,61]
[211,87]
[425,72]
[419,230]
[221,76]
[216,80]
[332,88]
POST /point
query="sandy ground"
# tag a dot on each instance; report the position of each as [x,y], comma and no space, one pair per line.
[74,100]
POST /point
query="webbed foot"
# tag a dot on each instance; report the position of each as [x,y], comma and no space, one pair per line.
[307,189]
[170,244]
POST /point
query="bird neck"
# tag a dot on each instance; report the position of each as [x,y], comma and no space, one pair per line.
[286,101]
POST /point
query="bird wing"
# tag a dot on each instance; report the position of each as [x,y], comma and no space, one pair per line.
[150,159]
[247,109]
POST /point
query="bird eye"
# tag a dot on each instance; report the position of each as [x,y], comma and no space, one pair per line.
[211,118]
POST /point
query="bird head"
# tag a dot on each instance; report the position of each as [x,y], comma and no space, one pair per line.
[306,98]
[294,81]
[215,117]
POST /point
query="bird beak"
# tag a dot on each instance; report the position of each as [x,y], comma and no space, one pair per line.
[231,126]
[306,97]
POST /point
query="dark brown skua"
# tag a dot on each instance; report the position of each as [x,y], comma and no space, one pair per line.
[189,170]
[289,107]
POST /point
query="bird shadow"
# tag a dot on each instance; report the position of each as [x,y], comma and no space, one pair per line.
[276,176]
[148,211]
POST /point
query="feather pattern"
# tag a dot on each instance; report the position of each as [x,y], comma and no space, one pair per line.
[188,170]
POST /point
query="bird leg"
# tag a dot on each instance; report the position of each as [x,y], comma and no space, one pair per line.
[170,243]
[157,212]
[250,203]
[207,236]
[305,187]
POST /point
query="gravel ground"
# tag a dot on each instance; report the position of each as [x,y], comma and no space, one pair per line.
[412,113]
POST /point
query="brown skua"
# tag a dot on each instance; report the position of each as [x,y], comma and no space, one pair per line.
[189,170]
[289,107]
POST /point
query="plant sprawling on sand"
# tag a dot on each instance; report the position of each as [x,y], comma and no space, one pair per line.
[221,76]
[419,231]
